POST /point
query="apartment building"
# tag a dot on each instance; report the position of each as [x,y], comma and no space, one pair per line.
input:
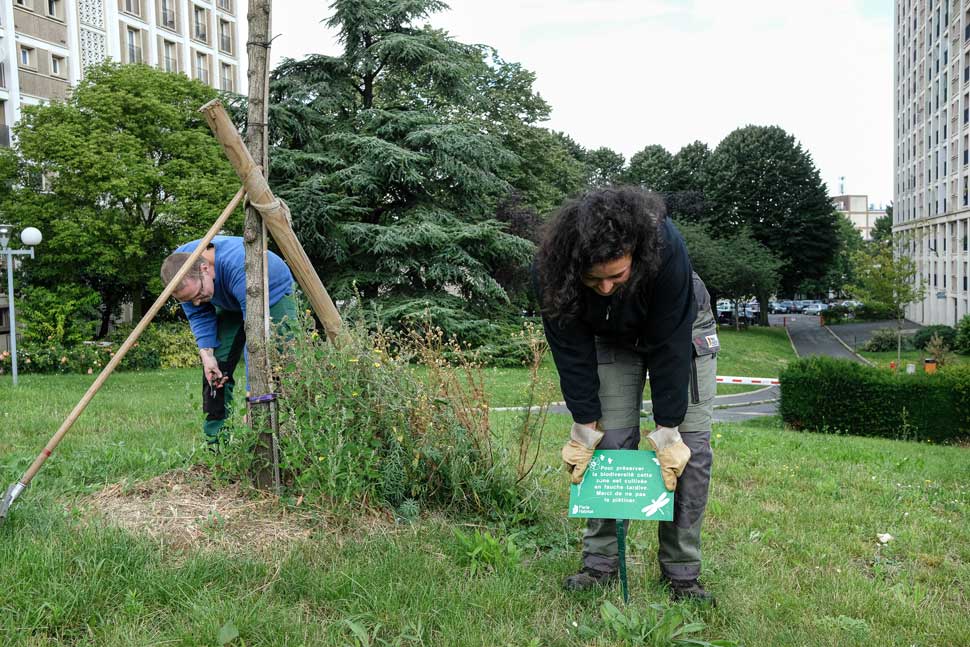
[45,45]
[932,151]
[859,211]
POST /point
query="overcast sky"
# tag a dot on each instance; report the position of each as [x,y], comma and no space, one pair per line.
[630,73]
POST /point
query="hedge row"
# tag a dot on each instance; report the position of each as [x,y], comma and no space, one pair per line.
[828,395]
[166,345]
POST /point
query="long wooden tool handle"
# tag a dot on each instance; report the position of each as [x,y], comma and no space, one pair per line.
[132,338]
[274,215]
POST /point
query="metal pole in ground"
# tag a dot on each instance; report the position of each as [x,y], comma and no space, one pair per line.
[13,317]
[621,553]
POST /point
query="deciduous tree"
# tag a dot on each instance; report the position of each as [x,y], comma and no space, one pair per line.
[116,177]
[650,168]
[888,278]
[760,177]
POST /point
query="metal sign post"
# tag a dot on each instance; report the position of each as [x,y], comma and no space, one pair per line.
[30,237]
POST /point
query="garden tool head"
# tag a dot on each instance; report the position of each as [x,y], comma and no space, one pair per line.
[8,498]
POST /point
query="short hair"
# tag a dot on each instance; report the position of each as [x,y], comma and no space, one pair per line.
[174,262]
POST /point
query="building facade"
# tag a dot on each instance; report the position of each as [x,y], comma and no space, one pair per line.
[45,45]
[931,212]
[858,210]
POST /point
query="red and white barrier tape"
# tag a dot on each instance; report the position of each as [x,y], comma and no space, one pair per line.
[731,379]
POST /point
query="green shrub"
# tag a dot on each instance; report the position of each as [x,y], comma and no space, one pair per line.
[64,316]
[885,339]
[874,312]
[837,314]
[961,343]
[359,426]
[829,395]
[922,337]
[165,345]
[55,357]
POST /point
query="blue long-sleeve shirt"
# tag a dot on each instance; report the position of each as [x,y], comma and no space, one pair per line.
[230,287]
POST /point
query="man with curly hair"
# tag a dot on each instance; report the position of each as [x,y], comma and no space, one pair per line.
[620,301]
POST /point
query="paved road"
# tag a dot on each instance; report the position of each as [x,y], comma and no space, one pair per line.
[810,339]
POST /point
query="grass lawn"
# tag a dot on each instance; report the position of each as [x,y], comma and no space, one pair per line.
[791,547]
[755,352]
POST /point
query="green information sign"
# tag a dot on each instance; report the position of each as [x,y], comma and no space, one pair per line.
[622,484]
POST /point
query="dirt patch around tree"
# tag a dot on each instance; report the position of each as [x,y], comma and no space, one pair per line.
[183,509]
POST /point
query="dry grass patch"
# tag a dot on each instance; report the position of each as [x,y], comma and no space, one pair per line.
[184,509]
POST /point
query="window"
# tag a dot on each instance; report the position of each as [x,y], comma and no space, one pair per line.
[225,36]
[134,45]
[227,80]
[168,14]
[225,5]
[200,24]
[170,62]
[53,8]
[133,7]
[26,4]
[57,66]
[26,56]
[202,67]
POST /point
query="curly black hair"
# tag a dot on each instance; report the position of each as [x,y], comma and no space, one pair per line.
[598,226]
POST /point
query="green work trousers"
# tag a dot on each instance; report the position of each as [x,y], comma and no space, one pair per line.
[217,403]
[622,374]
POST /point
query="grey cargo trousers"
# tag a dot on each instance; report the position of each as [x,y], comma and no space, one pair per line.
[622,373]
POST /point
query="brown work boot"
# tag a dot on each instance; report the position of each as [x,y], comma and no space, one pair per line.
[589,578]
[689,591]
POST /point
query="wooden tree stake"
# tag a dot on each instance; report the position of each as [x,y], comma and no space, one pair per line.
[275,214]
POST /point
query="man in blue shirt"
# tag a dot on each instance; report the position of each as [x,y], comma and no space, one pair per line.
[213,297]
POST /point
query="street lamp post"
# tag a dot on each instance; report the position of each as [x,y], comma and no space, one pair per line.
[30,236]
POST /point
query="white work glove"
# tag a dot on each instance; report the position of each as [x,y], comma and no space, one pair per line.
[577,453]
[672,454]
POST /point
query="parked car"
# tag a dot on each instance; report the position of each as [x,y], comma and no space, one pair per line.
[780,307]
[815,309]
[747,313]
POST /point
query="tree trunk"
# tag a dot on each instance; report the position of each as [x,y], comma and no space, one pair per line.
[260,377]
[109,306]
[899,342]
[137,302]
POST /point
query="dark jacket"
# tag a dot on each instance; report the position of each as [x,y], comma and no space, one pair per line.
[656,321]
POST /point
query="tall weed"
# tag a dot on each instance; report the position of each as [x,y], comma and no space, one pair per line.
[360,425]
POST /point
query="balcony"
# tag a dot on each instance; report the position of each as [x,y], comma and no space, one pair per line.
[227,84]
[225,43]
[201,33]
[202,74]
[134,54]
[168,19]
[170,64]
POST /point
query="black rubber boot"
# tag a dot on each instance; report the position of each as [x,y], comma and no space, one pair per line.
[689,591]
[589,578]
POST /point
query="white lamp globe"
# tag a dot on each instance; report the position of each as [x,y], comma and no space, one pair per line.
[31,236]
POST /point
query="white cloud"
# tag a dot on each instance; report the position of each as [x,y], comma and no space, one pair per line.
[629,73]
